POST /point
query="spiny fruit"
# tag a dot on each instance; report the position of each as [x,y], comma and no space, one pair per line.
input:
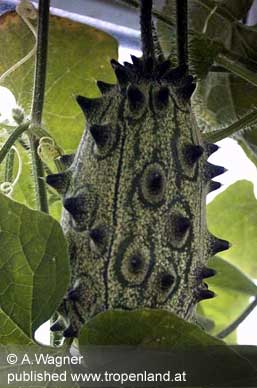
[134,195]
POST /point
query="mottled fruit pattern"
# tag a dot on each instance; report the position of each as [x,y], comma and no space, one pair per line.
[134,198]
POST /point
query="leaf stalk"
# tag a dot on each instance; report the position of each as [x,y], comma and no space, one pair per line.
[236,67]
[240,124]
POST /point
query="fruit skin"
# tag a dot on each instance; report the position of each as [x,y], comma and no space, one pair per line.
[135,198]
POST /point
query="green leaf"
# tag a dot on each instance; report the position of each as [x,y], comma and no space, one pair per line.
[232,215]
[229,277]
[223,98]
[34,270]
[233,289]
[159,329]
[148,327]
[78,55]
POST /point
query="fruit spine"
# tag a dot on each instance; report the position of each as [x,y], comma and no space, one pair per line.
[134,194]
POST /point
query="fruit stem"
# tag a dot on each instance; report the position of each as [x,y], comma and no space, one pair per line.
[146,29]
[182,32]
